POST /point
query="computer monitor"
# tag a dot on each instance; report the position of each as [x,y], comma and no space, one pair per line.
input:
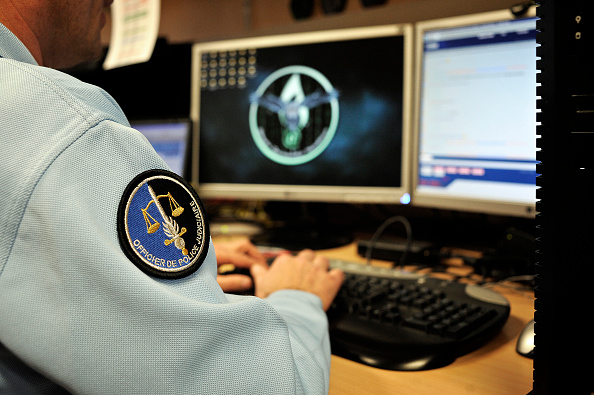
[475,114]
[171,138]
[311,117]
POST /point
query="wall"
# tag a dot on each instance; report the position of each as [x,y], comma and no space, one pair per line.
[201,20]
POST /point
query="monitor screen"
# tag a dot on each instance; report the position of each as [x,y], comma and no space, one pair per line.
[475,119]
[171,139]
[317,116]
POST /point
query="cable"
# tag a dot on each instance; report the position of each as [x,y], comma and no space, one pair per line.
[380,230]
[519,10]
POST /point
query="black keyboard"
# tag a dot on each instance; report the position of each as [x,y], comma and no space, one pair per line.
[404,321]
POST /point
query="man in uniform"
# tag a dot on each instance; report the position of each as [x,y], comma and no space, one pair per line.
[108,276]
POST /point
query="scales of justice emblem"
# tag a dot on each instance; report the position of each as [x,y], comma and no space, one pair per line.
[162,225]
[170,227]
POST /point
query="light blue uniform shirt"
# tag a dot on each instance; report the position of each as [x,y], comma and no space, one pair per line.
[74,311]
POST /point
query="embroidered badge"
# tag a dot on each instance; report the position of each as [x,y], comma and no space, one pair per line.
[162,225]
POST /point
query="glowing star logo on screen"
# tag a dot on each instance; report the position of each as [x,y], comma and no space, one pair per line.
[293,115]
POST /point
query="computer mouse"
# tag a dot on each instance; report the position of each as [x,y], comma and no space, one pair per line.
[525,345]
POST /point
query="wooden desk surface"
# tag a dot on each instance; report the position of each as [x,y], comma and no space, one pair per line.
[495,368]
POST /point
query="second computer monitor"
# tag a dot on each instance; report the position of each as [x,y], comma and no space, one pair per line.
[317,116]
[171,139]
[475,123]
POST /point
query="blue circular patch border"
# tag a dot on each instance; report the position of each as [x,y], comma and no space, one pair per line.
[162,225]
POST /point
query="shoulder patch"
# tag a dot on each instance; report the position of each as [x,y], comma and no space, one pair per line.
[162,225]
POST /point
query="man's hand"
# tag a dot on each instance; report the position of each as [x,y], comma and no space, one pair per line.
[306,272]
[241,254]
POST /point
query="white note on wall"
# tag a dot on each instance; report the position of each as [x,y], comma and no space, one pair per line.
[134,31]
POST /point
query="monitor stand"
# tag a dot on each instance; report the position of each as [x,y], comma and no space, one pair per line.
[305,230]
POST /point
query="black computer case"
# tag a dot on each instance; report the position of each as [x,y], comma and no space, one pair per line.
[565,226]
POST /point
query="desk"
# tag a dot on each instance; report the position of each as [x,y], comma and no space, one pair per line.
[493,369]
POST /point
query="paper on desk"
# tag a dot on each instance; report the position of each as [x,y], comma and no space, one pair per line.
[134,30]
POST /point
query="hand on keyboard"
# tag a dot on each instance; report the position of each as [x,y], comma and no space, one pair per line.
[305,271]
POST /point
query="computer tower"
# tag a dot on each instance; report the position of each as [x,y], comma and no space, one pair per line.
[565,225]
